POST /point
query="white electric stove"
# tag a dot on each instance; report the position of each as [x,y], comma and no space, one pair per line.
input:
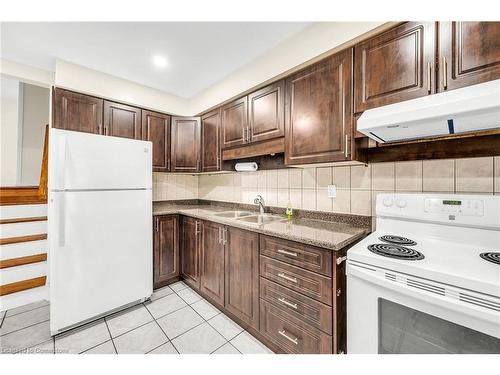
[428,279]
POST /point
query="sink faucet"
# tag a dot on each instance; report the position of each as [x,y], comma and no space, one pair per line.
[260,201]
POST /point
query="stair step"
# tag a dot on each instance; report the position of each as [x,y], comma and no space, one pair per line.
[25,210]
[23,220]
[22,229]
[22,249]
[31,237]
[20,261]
[22,285]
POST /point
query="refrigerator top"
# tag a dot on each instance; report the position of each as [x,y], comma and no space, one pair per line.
[83,161]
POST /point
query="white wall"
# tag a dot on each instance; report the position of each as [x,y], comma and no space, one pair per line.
[315,40]
[27,74]
[9,129]
[36,105]
[89,81]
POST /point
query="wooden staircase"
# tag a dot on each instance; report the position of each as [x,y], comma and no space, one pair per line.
[23,241]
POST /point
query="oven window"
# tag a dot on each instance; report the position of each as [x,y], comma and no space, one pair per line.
[408,331]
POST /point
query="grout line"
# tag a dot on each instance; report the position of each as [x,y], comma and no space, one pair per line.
[3,318]
[110,336]
[227,342]
[22,312]
[28,326]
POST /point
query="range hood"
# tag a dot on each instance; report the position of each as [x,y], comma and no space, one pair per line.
[462,110]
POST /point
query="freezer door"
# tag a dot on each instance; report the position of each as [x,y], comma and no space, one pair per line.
[100,253]
[82,161]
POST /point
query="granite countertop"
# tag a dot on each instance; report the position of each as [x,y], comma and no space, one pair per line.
[326,234]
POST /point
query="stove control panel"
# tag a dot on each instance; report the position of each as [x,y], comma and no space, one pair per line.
[457,207]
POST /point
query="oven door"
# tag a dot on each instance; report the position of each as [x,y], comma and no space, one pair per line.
[389,312]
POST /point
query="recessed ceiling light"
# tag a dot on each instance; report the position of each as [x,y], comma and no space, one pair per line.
[159,61]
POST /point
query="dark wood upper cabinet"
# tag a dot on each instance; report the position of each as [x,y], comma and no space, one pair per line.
[212,262]
[156,128]
[210,141]
[395,66]
[166,250]
[122,120]
[235,123]
[242,275]
[185,153]
[318,115]
[78,112]
[266,112]
[469,53]
[190,251]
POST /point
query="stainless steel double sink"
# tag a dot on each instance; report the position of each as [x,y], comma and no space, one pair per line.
[250,217]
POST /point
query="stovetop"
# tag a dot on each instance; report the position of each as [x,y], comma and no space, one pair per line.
[448,238]
[454,263]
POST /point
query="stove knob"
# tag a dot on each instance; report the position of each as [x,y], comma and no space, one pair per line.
[388,202]
[401,203]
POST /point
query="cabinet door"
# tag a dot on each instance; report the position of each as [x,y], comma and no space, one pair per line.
[395,66]
[190,252]
[318,112]
[185,155]
[212,262]
[234,123]
[266,113]
[210,141]
[73,111]
[242,275]
[469,53]
[156,128]
[166,250]
[122,120]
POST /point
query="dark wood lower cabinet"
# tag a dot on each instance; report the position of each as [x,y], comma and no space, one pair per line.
[212,261]
[242,275]
[190,251]
[166,250]
[279,300]
[290,333]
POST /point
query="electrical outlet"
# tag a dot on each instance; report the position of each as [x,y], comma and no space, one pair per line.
[332,191]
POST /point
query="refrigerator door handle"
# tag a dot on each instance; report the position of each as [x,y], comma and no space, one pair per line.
[62,221]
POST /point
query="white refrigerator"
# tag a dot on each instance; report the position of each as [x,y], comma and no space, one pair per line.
[99,226]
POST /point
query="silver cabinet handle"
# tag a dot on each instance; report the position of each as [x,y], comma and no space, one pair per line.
[346,150]
[197,228]
[283,276]
[445,73]
[249,135]
[429,73]
[244,130]
[289,304]
[224,235]
[289,253]
[220,235]
[294,340]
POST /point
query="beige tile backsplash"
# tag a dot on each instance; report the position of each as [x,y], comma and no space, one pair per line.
[357,186]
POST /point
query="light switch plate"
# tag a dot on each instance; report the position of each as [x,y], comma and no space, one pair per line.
[332,191]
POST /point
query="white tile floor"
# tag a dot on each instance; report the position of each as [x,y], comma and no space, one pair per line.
[176,320]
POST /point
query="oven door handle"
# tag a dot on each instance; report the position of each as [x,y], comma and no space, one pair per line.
[444,301]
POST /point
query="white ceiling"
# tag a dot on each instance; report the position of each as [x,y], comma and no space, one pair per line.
[199,54]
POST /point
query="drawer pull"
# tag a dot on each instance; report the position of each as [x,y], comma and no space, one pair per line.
[291,339]
[289,304]
[283,276]
[289,253]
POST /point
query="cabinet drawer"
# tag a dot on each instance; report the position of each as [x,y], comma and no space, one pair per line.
[306,282]
[290,334]
[308,257]
[306,309]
